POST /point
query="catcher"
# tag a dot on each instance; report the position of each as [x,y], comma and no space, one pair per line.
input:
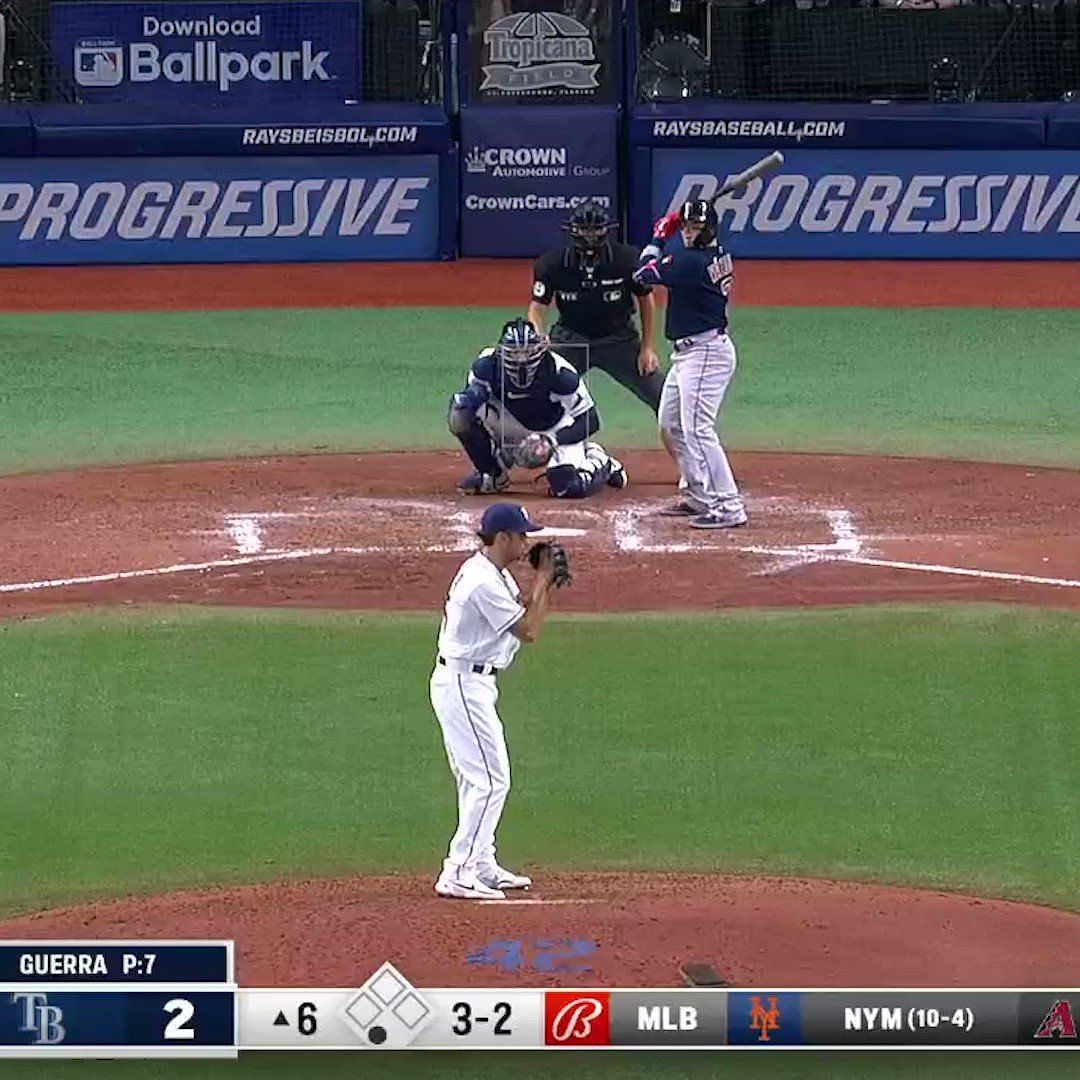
[526,406]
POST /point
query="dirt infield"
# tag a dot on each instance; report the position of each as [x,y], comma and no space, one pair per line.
[614,929]
[386,531]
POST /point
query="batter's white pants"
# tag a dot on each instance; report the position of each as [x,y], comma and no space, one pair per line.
[464,703]
[689,406]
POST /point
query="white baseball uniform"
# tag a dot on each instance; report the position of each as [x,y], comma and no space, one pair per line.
[474,642]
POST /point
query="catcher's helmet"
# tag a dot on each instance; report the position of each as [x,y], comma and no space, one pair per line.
[521,350]
[589,226]
[699,210]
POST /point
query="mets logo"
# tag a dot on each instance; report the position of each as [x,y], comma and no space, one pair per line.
[534,52]
[764,1020]
[1058,1022]
[576,1019]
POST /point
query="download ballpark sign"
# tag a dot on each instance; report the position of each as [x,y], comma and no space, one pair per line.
[208,53]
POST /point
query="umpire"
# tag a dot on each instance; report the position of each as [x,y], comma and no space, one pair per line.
[590,281]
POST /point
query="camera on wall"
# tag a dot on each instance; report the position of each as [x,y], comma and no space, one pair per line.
[946,84]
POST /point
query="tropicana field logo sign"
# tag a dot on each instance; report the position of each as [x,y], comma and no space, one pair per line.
[539,51]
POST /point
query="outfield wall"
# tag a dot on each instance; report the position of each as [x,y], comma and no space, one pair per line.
[304,182]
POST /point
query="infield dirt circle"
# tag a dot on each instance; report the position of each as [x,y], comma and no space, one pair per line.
[385,531]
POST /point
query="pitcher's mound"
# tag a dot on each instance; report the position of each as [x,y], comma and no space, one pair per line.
[610,929]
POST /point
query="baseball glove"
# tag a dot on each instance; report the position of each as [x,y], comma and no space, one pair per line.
[560,560]
[534,451]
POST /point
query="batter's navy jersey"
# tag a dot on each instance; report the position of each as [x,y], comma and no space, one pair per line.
[556,397]
[698,282]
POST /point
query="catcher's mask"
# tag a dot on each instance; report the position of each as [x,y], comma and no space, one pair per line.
[698,211]
[521,350]
[589,226]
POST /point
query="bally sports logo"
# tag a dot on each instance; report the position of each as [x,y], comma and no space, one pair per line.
[100,62]
[576,1019]
[536,52]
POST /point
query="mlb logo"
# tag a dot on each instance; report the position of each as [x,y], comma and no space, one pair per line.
[99,65]
[577,1019]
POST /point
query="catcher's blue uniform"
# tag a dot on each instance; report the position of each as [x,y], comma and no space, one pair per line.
[500,408]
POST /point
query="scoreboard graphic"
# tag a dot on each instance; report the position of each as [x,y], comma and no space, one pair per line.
[180,999]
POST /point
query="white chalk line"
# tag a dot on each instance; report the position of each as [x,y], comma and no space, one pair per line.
[512,902]
[846,546]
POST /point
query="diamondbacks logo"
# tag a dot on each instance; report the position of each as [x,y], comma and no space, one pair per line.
[577,1019]
[1058,1022]
[764,1020]
[536,52]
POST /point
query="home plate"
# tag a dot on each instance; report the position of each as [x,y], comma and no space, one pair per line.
[555,531]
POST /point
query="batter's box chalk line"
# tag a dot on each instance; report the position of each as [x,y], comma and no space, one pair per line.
[629,525]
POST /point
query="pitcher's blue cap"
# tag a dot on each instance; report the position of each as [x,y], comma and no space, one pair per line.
[507,517]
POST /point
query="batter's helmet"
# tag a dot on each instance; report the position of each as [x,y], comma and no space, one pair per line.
[589,226]
[521,350]
[698,210]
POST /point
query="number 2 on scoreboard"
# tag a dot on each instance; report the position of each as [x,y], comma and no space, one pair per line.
[182,1012]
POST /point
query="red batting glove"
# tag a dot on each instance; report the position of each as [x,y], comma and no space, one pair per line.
[667,226]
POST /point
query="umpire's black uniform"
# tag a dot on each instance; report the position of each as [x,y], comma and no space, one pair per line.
[590,282]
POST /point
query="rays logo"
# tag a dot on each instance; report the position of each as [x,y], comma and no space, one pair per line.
[537,52]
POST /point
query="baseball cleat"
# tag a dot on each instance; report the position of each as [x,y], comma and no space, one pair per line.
[679,509]
[619,477]
[723,519]
[466,887]
[483,484]
[498,878]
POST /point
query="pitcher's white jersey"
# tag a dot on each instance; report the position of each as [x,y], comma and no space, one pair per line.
[484,602]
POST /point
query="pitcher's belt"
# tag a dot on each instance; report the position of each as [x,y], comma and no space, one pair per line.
[468,665]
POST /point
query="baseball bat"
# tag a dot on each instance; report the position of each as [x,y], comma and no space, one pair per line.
[772,161]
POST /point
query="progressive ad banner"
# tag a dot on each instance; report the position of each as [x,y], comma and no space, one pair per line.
[169,210]
[210,53]
[523,171]
[881,204]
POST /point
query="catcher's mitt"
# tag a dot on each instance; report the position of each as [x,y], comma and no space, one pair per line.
[534,451]
[560,560]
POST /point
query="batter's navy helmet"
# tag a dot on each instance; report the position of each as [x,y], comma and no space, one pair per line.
[703,212]
[521,349]
[589,226]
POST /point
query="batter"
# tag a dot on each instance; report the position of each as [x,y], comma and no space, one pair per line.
[698,279]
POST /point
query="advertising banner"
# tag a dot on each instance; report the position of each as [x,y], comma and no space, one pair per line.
[203,53]
[882,204]
[169,210]
[544,52]
[524,170]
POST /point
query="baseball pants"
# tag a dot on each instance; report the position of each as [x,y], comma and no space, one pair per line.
[618,356]
[464,704]
[693,393]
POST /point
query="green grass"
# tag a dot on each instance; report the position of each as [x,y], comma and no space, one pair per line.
[934,746]
[103,388]
[824,1065]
